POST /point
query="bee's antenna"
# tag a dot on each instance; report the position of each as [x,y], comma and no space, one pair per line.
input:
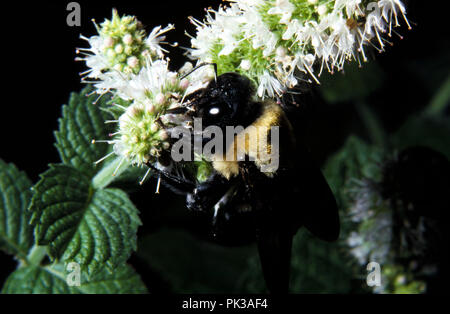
[199,66]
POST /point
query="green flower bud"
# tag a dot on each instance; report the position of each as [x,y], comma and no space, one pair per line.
[123,40]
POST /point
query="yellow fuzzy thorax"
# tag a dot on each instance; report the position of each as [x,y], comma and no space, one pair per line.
[254,141]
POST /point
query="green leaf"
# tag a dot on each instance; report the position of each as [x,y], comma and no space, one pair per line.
[192,265]
[429,131]
[52,280]
[81,122]
[95,228]
[321,267]
[16,236]
[316,267]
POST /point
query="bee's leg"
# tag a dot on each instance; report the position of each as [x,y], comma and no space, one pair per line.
[208,193]
[233,219]
[223,202]
[179,184]
[199,197]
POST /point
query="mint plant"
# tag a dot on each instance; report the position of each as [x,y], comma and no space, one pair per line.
[72,223]
[70,215]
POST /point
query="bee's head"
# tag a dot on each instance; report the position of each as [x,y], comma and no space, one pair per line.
[226,101]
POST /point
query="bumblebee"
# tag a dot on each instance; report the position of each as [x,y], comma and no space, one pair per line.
[270,206]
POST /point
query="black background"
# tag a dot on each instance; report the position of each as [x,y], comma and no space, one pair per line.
[38,73]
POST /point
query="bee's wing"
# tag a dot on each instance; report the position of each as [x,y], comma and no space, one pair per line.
[303,190]
[274,243]
[316,204]
[297,196]
[300,194]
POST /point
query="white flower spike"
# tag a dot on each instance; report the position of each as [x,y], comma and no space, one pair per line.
[253,32]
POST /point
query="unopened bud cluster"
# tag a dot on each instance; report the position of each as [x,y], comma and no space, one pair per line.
[141,138]
[123,43]
[144,127]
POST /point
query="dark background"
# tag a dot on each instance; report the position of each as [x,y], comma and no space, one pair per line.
[39,72]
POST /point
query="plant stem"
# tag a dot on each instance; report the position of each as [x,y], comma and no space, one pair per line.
[109,173]
[372,124]
[441,99]
[55,272]
[36,255]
